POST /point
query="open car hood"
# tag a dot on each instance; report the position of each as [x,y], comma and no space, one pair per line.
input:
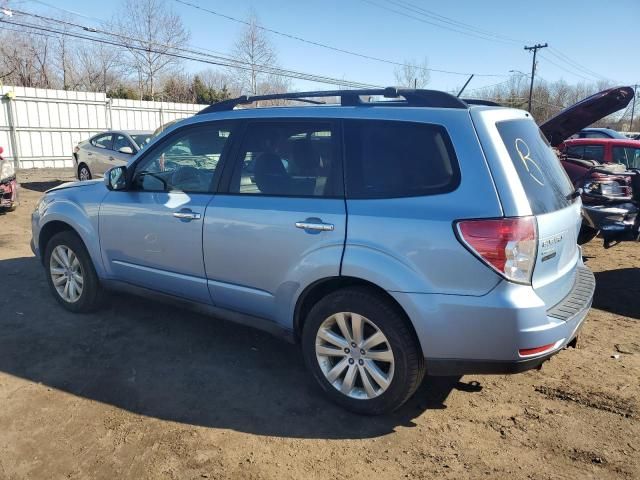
[576,117]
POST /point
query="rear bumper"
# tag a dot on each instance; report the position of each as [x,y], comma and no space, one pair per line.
[462,335]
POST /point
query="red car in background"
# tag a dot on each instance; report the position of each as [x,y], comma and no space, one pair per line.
[605,150]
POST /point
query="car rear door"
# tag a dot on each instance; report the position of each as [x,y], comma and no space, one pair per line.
[279,223]
[99,152]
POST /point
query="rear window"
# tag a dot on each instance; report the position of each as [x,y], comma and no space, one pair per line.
[386,159]
[544,180]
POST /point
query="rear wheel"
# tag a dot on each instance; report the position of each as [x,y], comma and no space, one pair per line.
[361,351]
[84,173]
[70,273]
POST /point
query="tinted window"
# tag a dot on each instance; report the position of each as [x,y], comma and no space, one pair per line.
[386,159]
[544,180]
[103,141]
[187,160]
[593,152]
[595,135]
[628,155]
[288,159]
[121,141]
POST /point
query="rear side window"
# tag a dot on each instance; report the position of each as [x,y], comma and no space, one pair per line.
[386,159]
[544,180]
[102,141]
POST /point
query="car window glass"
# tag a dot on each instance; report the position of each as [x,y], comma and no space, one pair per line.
[141,139]
[186,161]
[288,159]
[121,141]
[385,159]
[575,152]
[628,155]
[593,152]
[543,179]
[103,141]
[595,135]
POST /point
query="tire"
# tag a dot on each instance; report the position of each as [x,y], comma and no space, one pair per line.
[88,294]
[586,234]
[84,173]
[402,371]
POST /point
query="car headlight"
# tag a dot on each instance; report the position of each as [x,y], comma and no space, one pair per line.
[43,204]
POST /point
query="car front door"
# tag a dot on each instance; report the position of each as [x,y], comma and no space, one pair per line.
[117,157]
[151,234]
[279,221]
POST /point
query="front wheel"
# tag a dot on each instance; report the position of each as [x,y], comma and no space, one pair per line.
[361,351]
[70,273]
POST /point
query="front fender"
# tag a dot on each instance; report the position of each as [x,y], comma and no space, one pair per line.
[83,219]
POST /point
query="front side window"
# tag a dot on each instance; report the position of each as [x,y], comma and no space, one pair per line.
[288,159]
[386,159]
[630,156]
[103,141]
[186,161]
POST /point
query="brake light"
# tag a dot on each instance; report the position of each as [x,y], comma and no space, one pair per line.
[508,245]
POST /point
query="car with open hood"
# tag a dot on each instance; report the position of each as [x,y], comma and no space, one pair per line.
[604,169]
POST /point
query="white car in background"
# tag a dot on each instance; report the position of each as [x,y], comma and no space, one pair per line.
[105,150]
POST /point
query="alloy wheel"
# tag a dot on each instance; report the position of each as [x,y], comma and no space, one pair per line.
[354,355]
[66,273]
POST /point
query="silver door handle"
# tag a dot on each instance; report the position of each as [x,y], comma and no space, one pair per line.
[187,215]
[322,227]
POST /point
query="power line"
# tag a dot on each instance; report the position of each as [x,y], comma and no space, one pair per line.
[451,21]
[565,69]
[561,56]
[439,25]
[220,62]
[326,46]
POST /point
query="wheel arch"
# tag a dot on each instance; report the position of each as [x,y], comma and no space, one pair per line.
[320,288]
[49,230]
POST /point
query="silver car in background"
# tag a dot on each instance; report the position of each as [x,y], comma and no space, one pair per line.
[105,150]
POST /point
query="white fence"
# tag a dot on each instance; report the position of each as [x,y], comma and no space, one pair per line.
[40,128]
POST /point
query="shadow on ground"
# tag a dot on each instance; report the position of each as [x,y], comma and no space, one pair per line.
[177,365]
[42,186]
[618,291]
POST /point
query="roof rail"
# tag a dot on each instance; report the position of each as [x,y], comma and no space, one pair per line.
[412,98]
[479,101]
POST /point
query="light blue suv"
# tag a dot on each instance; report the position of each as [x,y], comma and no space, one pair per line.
[418,233]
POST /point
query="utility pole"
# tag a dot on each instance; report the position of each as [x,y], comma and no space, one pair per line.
[633,107]
[535,49]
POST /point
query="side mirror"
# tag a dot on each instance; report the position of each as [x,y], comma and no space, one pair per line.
[116,178]
[126,150]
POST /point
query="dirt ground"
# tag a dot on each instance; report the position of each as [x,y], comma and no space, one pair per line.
[142,390]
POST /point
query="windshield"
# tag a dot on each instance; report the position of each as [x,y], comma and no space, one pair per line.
[141,139]
[630,156]
[544,180]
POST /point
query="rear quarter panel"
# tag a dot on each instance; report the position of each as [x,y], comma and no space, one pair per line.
[409,244]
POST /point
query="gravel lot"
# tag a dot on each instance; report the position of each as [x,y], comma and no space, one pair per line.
[143,390]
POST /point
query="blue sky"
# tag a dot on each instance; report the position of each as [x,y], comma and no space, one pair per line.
[600,37]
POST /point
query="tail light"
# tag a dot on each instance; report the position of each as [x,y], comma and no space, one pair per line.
[507,245]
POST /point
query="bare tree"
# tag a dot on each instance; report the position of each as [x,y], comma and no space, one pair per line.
[98,67]
[151,30]
[255,51]
[25,60]
[412,74]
